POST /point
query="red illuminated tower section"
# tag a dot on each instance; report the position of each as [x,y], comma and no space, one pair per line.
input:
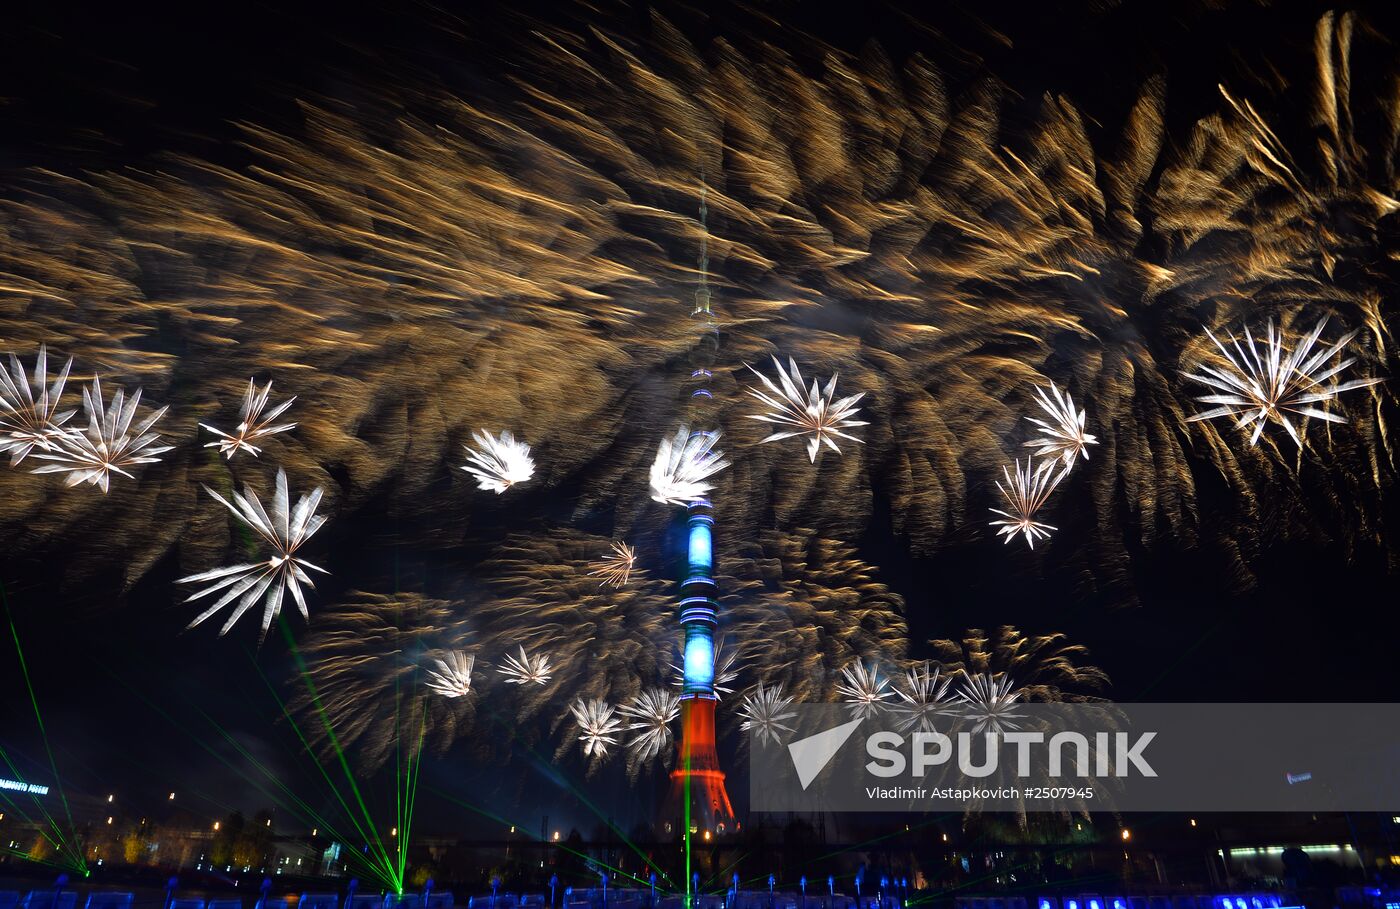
[699,802]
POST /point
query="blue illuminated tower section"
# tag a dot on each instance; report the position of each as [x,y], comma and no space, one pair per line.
[698,796]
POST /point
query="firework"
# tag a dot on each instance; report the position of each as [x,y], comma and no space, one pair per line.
[925,697]
[29,416]
[615,570]
[453,676]
[499,462]
[864,689]
[252,423]
[598,725]
[1062,437]
[814,412]
[975,256]
[1255,387]
[1024,496]
[108,445]
[652,712]
[683,466]
[364,658]
[766,711]
[526,668]
[804,606]
[1045,667]
[285,532]
[989,701]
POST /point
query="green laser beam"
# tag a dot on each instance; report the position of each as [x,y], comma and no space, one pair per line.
[75,854]
[331,736]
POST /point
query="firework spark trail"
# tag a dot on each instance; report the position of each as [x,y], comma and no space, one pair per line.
[1045,667]
[29,415]
[499,462]
[924,698]
[684,464]
[285,531]
[1255,388]
[816,413]
[108,445]
[1062,436]
[651,714]
[599,728]
[615,569]
[252,423]
[863,689]
[451,675]
[1025,495]
[765,712]
[966,258]
[989,702]
[523,668]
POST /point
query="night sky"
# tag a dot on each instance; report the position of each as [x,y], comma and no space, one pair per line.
[135,705]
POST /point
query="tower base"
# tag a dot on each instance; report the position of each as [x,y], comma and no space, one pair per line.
[697,793]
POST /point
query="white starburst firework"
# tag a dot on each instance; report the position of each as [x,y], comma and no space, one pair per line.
[615,570]
[29,416]
[652,712]
[108,445]
[725,674]
[864,689]
[252,423]
[924,697]
[683,464]
[499,462]
[526,668]
[1062,436]
[988,701]
[1258,386]
[766,712]
[598,725]
[285,532]
[813,412]
[453,676]
[1025,494]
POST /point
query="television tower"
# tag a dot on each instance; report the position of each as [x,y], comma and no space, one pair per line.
[698,798]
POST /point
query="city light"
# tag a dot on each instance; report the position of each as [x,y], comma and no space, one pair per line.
[1127,834]
[172,797]
[216,825]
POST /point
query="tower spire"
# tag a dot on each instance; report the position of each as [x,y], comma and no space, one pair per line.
[698,795]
